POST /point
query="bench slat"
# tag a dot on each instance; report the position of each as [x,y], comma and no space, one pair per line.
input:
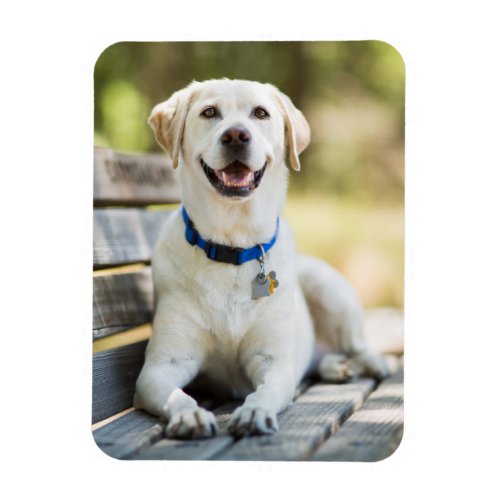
[126,235]
[129,434]
[130,179]
[114,375]
[139,435]
[178,449]
[303,427]
[169,449]
[121,301]
[372,433]
[305,424]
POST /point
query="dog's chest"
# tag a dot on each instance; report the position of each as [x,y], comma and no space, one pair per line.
[230,316]
[225,296]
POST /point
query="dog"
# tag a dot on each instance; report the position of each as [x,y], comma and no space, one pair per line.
[234,303]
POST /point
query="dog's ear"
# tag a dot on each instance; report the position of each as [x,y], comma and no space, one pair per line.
[168,119]
[297,131]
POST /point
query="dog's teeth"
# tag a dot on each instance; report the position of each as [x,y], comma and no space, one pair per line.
[229,181]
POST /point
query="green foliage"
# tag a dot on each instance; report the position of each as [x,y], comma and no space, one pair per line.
[123,110]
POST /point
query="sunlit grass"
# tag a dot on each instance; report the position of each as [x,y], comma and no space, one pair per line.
[364,241]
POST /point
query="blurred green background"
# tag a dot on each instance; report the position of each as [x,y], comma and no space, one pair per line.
[347,203]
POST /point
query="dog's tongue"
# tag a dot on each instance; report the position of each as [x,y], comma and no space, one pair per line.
[235,176]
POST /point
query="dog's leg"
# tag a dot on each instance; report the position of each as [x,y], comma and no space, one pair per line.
[159,392]
[274,391]
[338,322]
[172,363]
[268,364]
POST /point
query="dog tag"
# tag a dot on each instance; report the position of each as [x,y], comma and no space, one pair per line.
[273,282]
[260,287]
[264,286]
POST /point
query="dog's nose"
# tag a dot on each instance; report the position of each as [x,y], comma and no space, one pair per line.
[236,136]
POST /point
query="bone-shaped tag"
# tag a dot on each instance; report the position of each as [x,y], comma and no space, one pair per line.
[273,282]
[264,286]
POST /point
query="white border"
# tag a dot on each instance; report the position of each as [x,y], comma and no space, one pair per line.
[451,246]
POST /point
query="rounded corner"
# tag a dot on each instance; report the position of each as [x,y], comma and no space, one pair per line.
[104,51]
[393,452]
[103,451]
[393,49]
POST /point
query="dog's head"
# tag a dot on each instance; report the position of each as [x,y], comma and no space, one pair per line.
[230,132]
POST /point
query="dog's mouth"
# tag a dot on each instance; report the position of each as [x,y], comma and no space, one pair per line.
[235,180]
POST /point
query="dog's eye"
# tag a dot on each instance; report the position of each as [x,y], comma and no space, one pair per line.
[209,112]
[260,113]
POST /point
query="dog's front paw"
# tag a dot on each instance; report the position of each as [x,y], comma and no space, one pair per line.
[192,424]
[252,421]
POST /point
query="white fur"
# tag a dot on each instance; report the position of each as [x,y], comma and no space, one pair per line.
[205,321]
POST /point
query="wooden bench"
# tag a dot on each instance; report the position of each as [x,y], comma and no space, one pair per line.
[358,421]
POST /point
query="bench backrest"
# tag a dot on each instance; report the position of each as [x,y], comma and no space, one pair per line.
[128,190]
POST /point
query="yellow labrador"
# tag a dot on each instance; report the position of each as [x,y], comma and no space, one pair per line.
[234,303]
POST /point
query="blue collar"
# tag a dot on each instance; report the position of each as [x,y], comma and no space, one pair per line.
[223,253]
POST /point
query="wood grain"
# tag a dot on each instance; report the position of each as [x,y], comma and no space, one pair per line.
[119,443]
[132,336]
[114,374]
[129,434]
[130,179]
[121,301]
[140,436]
[108,420]
[178,449]
[304,425]
[372,433]
[126,235]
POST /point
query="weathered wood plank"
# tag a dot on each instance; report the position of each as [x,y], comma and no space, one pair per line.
[130,179]
[179,449]
[116,440]
[304,425]
[129,434]
[132,336]
[140,436]
[126,235]
[113,379]
[121,301]
[372,433]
